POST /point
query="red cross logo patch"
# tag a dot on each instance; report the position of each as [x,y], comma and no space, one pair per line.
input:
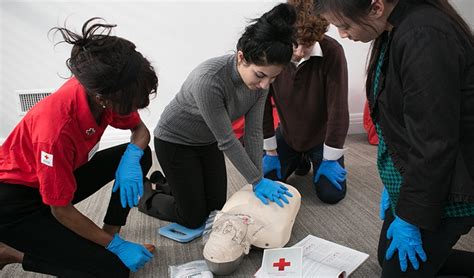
[90,131]
[47,158]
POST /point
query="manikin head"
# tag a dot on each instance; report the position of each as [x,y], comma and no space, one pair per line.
[245,221]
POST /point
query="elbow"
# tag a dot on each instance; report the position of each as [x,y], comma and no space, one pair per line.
[60,212]
[226,144]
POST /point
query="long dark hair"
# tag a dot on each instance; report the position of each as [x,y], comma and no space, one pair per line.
[356,11]
[109,66]
[269,39]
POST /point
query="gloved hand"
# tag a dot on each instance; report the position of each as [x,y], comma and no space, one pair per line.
[133,255]
[407,241]
[129,176]
[384,203]
[333,171]
[273,191]
[270,163]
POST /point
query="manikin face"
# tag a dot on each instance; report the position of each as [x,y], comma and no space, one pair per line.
[300,51]
[256,77]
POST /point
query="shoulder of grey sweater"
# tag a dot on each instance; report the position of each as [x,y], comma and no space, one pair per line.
[213,66]
[212,75]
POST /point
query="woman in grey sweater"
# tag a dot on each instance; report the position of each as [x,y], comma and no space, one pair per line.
[195,129]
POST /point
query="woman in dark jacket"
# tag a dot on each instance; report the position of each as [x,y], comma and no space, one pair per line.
[420,87]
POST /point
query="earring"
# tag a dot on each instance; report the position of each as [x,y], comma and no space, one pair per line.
[100,102]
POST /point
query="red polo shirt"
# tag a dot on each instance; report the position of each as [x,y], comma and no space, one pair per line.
[53,139]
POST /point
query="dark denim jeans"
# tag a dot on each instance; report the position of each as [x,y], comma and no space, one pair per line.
[291,159]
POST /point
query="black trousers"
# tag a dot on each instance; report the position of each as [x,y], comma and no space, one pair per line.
[290,160]
[27,224]
[198,181]
[442,259]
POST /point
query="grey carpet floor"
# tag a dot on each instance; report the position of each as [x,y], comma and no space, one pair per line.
[353,222]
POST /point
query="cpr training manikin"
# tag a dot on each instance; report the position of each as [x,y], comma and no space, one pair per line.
[245,221]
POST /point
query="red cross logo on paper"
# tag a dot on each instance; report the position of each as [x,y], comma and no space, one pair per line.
[281,264]
[90,131]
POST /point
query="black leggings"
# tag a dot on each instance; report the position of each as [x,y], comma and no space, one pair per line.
[197,179]
[442,259]
[27,224]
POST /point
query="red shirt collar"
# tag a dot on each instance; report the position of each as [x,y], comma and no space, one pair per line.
[85,119]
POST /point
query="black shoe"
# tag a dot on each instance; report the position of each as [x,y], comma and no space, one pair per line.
[303,167]
[160,181]
[158,178]
[145,202]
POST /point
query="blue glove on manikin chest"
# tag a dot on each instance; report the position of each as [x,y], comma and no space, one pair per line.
[129,176]
[273,191]
[407,241]
[333,171]
[133,255]
[384,203]
[270,163]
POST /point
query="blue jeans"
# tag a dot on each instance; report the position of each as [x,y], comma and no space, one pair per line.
[290,159]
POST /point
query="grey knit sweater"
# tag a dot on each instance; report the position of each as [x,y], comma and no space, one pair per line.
[202,112]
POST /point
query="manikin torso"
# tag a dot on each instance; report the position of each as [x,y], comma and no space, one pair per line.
[244,221]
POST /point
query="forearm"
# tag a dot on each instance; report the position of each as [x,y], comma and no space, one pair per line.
[75,221]
[337,101]
[254,132]
[241,160]
[338,118]
[140,136]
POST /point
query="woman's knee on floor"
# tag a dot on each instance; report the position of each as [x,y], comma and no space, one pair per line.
[195,220]
[327,192]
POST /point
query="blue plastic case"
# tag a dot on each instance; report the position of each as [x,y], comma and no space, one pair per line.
[180,233]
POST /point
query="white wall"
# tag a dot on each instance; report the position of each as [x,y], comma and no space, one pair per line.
[174,35]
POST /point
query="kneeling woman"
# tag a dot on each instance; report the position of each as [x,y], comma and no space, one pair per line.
[49,163]
[195,129]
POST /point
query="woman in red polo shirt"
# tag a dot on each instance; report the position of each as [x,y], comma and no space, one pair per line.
[50,162]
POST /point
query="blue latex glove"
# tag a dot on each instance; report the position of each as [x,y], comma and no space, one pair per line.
[270,163]
[407,241]
[333,172]
[384,203]
[133,255]
[273,191]
[129,176]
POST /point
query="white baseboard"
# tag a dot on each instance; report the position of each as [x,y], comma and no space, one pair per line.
[116,137]
[356,123]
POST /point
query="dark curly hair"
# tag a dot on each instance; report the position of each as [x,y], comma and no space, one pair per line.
[310,27]
[269,39]
[109,66]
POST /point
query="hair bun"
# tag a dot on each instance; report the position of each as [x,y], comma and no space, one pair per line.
[282,14]
[270,38]
[281,19]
